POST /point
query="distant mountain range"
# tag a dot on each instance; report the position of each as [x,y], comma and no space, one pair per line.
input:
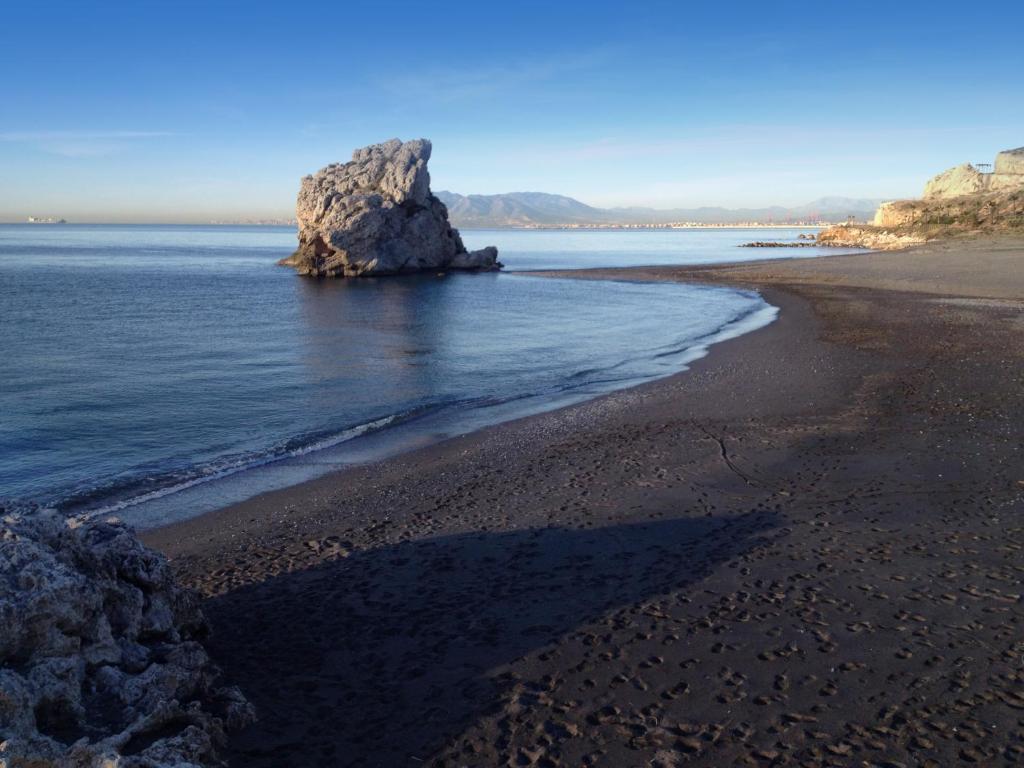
[539,209]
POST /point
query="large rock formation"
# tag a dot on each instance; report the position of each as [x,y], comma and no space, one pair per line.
[100,657]
[897,213]
[1007,176]
[987,212]
[962,180]
[865,236]
[376,216]
[902,223]
[961,200]
[1010,162]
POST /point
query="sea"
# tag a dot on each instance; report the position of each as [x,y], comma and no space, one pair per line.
[159,372]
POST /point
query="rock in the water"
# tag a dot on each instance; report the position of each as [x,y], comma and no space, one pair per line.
[376,216]
[100,656]
[775,244]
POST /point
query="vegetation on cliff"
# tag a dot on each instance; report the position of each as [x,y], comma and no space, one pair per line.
[903,223]
[995,212]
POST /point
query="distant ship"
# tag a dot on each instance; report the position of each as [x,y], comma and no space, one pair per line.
[45,220]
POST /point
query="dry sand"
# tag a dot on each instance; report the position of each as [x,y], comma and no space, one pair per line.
[808,550]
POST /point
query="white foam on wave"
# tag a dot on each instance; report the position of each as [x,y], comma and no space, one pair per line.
[677,361]
[242,466]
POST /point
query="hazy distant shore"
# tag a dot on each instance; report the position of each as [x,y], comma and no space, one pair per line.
[291,223]
[604,227]
[807,545]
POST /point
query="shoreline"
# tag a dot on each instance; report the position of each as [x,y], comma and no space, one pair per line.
[805,548]
[500,431]
[395,434]
[182,464]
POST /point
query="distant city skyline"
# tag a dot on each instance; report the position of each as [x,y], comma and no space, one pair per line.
[192,112]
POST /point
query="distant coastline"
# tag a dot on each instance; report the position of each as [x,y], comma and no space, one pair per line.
[512,227]
[631,227]
[541,210]
[529,210]
[284,222]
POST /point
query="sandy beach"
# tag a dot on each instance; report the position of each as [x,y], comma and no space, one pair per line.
[806,550]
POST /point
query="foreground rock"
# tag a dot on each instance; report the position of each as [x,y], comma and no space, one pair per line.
[100,659]
[376,216]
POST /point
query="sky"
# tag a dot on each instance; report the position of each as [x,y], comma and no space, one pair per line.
[189,111]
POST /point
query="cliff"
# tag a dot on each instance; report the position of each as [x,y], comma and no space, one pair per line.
[867,236]
[988,212]
[961,200]
[1010,162]
[1007,176]
[376,215]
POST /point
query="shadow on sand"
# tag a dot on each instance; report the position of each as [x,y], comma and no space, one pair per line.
[379,658]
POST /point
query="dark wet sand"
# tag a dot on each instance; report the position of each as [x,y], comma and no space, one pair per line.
[808,550]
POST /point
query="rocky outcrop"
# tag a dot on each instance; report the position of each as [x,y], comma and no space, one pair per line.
[962,180]
[777,244]
[1007,176]
[897,213]
[991,212]
[863,236]
[376,215]
[962,200]
[101,663]
[1010,162]
[902,223]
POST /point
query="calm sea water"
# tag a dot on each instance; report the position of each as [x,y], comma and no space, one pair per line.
[161,371]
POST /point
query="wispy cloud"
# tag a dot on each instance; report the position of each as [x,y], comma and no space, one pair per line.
[81,143]
[451,84]
[842,141]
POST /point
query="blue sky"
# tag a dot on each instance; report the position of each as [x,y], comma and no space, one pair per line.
[183,111]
